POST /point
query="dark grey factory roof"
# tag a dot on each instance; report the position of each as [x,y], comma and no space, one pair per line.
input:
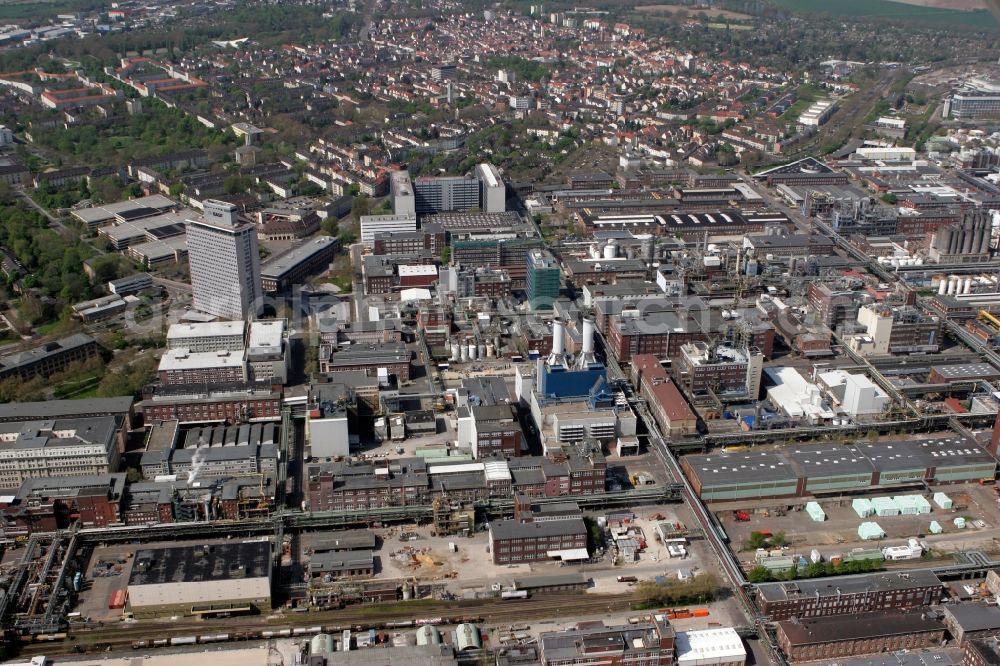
[511,529]
[340,560]
[790,240]
[965,370]
[347,540]
[65,408]
[860,627]
[949,656]
[828,461]
[185,564]
[64,486]
[489,390]
[832,587]
[27,357]
[37,434]
[974,617]
[370,354]
[743,467]
[922,453]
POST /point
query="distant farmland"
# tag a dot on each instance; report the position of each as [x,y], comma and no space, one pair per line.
[900,12]
[711,12]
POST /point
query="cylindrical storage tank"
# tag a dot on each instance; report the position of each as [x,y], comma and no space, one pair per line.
[464,351]
[490,350]
[967,234]
[977,237]
[611,250]
[595,253]
[321,644]
[407,593]
[496,343]
[472,351]
[952,283]
[481,350]
[455,354]
[648,250]
[967,286]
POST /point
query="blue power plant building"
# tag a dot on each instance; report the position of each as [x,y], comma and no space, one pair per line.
[585,377]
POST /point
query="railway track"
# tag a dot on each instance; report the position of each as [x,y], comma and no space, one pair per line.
[491,612]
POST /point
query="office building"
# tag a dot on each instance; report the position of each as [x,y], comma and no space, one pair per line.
[201,580]
[381,224]
[666,402]
[47,505]
[57,409]
[201,403]
[207,336]
[183,367]
[514,542]
[543,280]
[392,358]
[494,192]
[976,98]
[438,194]
[966,621]
[131,284]
[59,447]
[812,639]
[443,72]
[294,265]
[849,595]
[48,358]
[224,262]
[401,190]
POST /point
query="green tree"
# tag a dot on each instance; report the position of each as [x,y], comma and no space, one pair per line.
[759,574]
[757,540]
[362,205]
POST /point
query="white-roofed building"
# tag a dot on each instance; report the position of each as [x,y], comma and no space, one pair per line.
[375,224]
[855,394]
[792,394]
[421,275]
[207,336]
[182,366]
[267,351]
[713,647]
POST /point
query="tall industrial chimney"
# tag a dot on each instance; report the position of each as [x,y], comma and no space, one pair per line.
[587,349]
[558,355]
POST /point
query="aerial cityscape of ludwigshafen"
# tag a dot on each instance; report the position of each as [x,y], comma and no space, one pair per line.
[499,332]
